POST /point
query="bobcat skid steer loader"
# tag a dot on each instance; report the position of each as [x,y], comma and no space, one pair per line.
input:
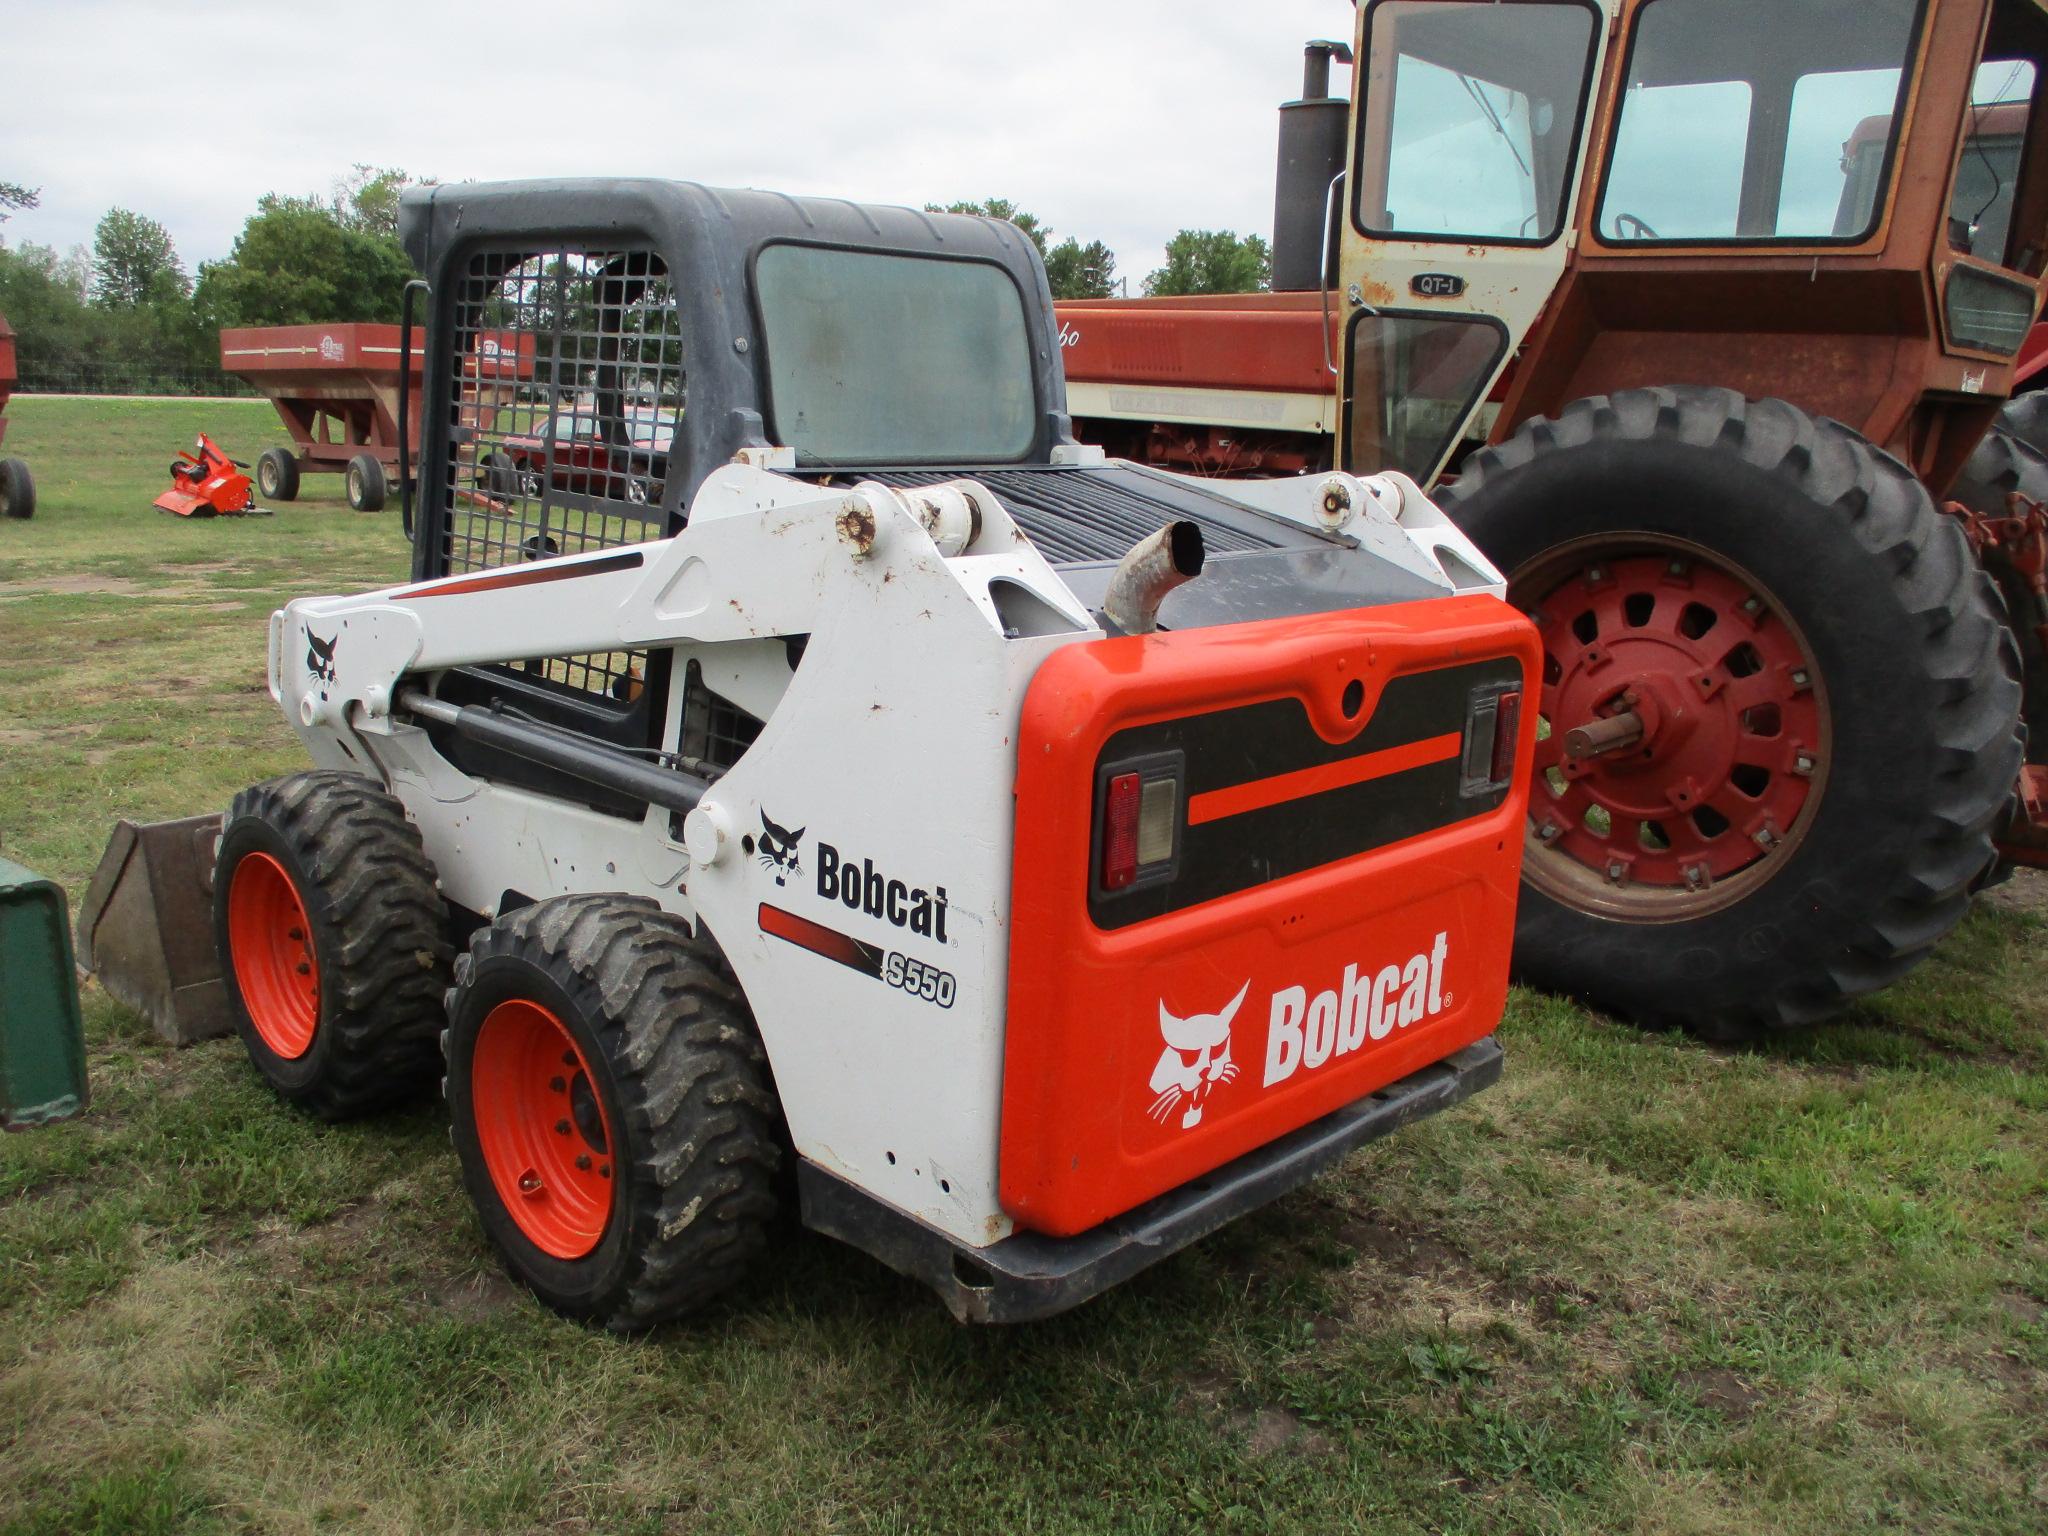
[824,764]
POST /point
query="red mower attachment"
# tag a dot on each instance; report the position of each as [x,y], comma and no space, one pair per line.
[208,484]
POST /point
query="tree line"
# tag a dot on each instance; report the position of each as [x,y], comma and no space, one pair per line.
[125,313]
[125,310]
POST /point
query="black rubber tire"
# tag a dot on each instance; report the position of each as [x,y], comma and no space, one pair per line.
[498,475]
[2005,462]
[677,1064]
[2026,418]
[1919,671]
[277,475]
[366,484]
[379,936]
[17,489]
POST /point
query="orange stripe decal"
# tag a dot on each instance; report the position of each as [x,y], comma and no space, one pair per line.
[1282,787]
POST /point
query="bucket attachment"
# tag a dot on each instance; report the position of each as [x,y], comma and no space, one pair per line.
[42,1039]
[145,929]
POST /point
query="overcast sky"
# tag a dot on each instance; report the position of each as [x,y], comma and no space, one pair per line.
[1122,120]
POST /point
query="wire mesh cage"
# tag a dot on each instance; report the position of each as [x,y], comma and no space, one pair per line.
[569,386]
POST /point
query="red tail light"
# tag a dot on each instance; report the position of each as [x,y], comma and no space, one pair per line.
[1507,728]
[1120,831]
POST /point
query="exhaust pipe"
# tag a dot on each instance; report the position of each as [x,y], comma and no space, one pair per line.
[1313,134]
[1170,558]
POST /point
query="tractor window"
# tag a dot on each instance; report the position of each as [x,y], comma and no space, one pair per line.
[884,359]
[1415,379]
[1732,133]
[1988,172]
[1469,118]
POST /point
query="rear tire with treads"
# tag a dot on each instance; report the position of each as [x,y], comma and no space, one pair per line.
[333,942]
[628,1170]
[1918,685]
[2003,463]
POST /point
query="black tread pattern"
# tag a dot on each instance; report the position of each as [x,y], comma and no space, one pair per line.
[1951,638]
[381,987]
[701,1143]
[2004,462]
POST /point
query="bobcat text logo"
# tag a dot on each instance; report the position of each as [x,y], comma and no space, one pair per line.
[1305,1032]
[1196,1059]
[778,853]
[1069,337]
[320,659]
[863,888]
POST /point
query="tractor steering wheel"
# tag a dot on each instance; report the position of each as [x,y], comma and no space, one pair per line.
[1629,227]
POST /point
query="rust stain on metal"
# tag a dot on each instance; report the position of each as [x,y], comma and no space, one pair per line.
[856,524]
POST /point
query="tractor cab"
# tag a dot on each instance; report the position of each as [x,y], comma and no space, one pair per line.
[1850,216]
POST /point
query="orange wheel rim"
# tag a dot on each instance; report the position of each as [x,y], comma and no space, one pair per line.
[541,1126]
[270,943]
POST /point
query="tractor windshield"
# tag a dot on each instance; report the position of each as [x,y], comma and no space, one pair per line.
[1724,138]
[1469,118]
[877,358]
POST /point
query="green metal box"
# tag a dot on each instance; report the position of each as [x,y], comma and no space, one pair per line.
[42,1037]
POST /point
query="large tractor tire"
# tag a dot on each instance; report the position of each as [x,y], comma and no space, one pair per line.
[1823,696]
[2003,463]
[2026,418]
[17,489]
[613,1109]
[334,942]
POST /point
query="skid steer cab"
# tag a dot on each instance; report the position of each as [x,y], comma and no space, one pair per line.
[828,765]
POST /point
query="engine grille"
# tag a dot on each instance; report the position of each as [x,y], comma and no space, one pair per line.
[569,386]
[1080,515]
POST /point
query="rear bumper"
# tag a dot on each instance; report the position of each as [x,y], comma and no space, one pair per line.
[1030,1276]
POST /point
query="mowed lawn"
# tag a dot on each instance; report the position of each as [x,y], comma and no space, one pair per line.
[1641,1286]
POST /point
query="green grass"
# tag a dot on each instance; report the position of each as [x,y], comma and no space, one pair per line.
[1641,1285]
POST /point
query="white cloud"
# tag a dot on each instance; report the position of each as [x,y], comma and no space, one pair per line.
[1117,121]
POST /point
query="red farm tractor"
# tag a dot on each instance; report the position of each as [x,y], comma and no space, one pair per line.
[1700,315]
[17,486]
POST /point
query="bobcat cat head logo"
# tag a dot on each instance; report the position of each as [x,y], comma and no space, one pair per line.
[1196,1059]
[320,659]
[777,850]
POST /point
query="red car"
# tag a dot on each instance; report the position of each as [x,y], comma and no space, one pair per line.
[571,453]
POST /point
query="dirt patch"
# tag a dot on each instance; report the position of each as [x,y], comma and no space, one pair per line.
[1406,1253]
[16,736]
[81,584]
[1722,1390]
[2021,1308]
[2026,892]
[476,1298]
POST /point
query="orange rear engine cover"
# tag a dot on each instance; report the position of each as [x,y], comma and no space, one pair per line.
[1337,913]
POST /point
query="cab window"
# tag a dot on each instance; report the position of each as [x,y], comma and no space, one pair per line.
[1720,138]
[1469,118]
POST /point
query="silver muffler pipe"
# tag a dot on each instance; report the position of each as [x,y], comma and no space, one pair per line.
[1170,558]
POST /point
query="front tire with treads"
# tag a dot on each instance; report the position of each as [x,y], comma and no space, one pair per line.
[1826,624]
[613,1109]
[333,939]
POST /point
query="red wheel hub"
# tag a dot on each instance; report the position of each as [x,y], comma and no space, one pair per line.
[1681,727]
[541,1126]
[270,946]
